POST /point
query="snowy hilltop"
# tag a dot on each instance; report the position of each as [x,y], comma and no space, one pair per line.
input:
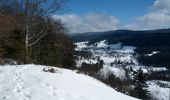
[33,82]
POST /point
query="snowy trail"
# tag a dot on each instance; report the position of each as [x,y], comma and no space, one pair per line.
[29,82]
[15,86]
[19,89]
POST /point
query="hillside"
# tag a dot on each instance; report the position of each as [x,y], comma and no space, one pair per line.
[145,42]
[118,66]
[30,82]
[127,37]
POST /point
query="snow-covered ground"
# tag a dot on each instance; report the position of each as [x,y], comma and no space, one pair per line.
[110,54]
[116,55]
[153,53]
[81,45]
[117,72]
[117,59]
[29,82]
[160,90]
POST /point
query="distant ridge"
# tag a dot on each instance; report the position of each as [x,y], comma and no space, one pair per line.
[159,37]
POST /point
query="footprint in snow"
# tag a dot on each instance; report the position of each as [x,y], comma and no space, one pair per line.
[5,97]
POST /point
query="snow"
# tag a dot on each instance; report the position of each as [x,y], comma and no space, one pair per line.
[81,45]
[107,60]
[158,92]
[127,49]
[117,59]
[117,72]
[116,46]
[153,53]
[102,44]
[29,82]
[87,61]
[157,69]
[116,53]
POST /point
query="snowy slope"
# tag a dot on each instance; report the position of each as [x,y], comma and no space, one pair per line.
[159,92]
[29,82]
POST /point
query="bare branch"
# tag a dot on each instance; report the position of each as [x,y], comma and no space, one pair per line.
[36,35]
[38,40]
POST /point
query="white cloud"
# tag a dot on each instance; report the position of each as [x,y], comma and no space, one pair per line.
[161,6]
[91,22]
[152,20]
[158,18]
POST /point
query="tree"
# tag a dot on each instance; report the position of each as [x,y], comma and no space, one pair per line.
[34,10]
[34,37]
[141,85]
[35,14]
[101,63]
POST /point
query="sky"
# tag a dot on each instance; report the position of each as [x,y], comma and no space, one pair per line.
[105,15]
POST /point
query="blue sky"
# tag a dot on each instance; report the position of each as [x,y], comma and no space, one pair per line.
[106,15]
[126,10]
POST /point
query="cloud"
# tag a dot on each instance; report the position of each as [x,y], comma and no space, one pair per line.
[152,20]
[159,17]
[90,22]
[161,6]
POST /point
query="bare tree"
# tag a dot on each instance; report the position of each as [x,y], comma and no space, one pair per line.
[35,13]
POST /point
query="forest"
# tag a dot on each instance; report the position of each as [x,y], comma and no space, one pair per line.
[28,34]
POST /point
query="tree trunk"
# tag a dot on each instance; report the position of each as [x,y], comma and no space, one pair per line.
[26,44]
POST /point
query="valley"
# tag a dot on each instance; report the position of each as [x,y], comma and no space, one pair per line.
[118,66]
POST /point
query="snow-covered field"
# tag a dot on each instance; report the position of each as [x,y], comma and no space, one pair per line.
[29,82]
